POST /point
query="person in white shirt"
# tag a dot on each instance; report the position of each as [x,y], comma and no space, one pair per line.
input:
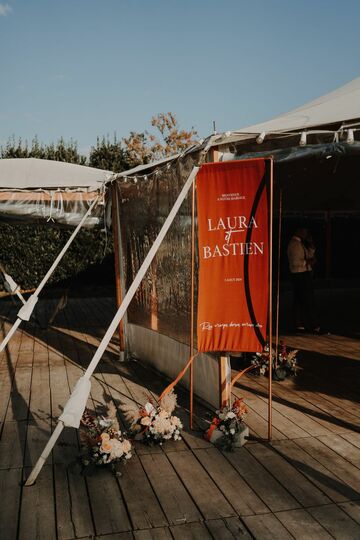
[301,259]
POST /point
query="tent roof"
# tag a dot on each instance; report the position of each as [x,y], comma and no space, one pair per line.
[32,173]
[341,105]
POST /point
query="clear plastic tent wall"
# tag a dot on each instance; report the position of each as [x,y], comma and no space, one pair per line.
[163,300]
[41,190]
[66,207]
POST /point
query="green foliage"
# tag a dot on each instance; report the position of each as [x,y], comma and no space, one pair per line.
[108,155]
[27,252]
[61,151]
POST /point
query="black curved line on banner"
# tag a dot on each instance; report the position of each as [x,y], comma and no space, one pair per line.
[246,258]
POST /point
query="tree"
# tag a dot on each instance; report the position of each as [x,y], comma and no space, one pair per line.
[61,151]
[108,155]
[145,147]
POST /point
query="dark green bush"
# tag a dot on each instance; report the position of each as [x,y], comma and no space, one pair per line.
[27,252]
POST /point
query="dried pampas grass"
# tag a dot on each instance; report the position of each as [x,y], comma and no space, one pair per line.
[169,402]
[131,411]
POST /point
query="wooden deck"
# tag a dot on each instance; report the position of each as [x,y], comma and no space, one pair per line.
[304,485]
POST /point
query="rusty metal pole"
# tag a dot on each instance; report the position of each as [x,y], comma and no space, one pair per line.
[278,280]
[271,203]
[192,314]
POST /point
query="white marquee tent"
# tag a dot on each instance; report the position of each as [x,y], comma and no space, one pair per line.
[60,192]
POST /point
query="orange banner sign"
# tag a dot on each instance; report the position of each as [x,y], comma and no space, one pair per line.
[233,255]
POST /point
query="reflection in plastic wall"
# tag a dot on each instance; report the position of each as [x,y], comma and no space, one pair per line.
[162,302]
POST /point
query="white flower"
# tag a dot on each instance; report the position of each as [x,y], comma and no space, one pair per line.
[232,431]
[175,420]
[150,409]
[162,425]
[116,449]
[126,445]
[104,422]
[230,415]
[145,421]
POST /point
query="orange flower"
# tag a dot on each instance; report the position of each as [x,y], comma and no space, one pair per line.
[106,447]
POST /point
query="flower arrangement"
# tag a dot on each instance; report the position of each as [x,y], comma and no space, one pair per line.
[102,441]
[153,422]
[227,428]
[285,366]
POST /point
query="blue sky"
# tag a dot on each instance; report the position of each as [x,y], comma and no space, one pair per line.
[87,68]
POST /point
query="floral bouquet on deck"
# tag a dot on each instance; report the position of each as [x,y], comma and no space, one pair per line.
[102,441]
[154,423]
[227,428]
[285,366]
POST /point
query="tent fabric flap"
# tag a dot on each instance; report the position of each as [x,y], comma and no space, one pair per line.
[51,191]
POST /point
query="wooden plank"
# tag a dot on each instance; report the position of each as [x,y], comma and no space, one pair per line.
[8,364]
[73,516]
[203,490]
[173,497]
[343,448]
[12,445]
[236,490]
[195,439]
[343,421]
[352,509]
[324,478]
[274,495]
[290,409]
[302,525]
[294,481]
[107,504]
[20,393]
[37,519]
[257,419]
[118,536]
[153,534]
[191,531]
[227,529]
[353,438]
[266,527]
[9,508]
[338,523]
[66,449]
[142,504]
[39,425]
[345,471]
[302,402]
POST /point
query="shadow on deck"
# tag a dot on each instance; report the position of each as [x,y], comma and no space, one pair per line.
[305,484]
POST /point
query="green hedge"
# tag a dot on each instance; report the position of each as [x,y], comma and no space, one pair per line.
[27,252]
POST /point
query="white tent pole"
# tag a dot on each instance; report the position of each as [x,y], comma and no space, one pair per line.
[26,310]
[114,324]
